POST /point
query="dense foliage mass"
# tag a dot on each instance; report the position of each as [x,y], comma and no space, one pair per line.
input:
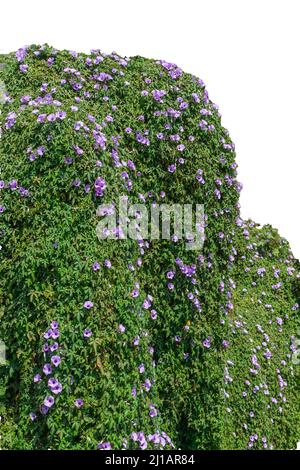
[123,343]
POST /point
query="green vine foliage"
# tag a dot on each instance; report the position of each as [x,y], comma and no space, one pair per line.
[123,343]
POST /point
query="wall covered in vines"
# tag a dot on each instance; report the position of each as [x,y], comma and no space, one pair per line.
[123,343]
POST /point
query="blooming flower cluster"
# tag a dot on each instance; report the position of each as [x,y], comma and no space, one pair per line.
[50,349]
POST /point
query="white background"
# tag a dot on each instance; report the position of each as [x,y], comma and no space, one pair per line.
[246,51]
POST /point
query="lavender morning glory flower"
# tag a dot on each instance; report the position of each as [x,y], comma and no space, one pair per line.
[104,446]
[146,304]
[54,347]
[96,266]
[44,409]
[88,304]
[42,117]
[153,314]
[158,94]
[87,333]
[21,54]
[100,185]
[49,401]
[147,385]
[32,416]
[172,168]
[57,389]
[79,403]
[47,369]
[55,360]
[55,334]
[48,334]
[153,411]
[206,343]
[23,68]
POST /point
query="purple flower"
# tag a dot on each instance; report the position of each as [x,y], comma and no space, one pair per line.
[87,333]
[100,185]
[48,334]
[172,168]
[158,94]
[88,304]
[52,382]
[21,54]
[47,369]
[10,120]
[104,446]
[49,401]
[79,403]
[51,117]
[25,99]
[54,385]
[147,303]
[131,165]
[121,328]
[206,343]
[135,293]
[55,334]
[61,115]
[78,150]
[96,266]
[195,97]
[141,368]
[54,347]
[76,183]
[107,263]
[32,416]
[13,184]
[37,378]
[147,385]
[42,117]
[153,314]
[203,124]
[261,271]
[55,360]
[44,409]
[153,411]
[57,389]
